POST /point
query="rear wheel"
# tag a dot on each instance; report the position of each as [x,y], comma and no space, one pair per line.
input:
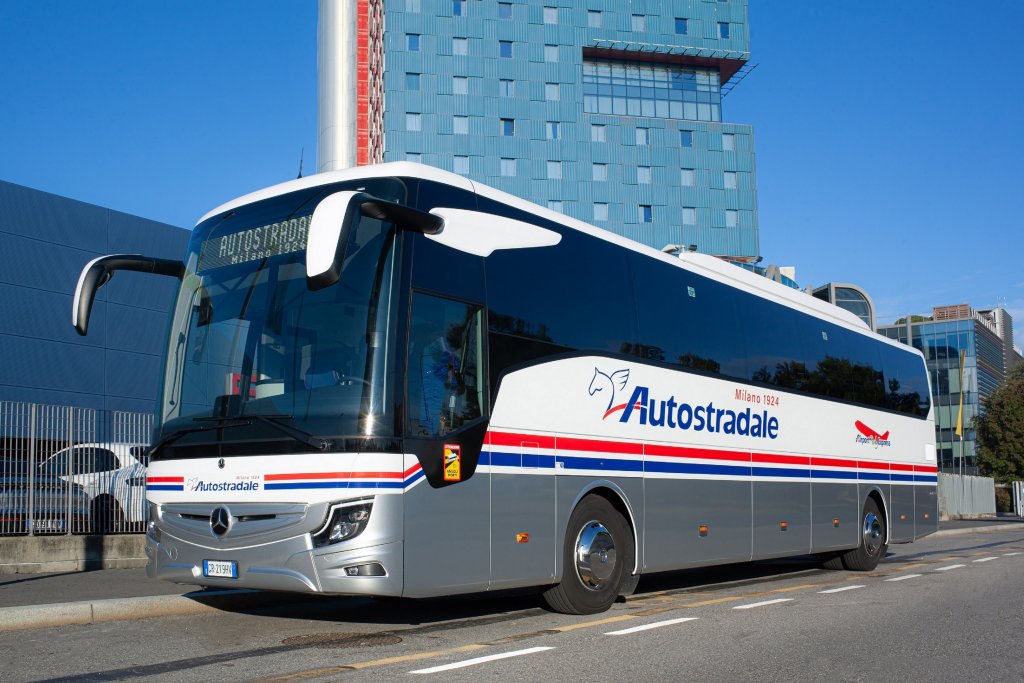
[596,559]
[871,550]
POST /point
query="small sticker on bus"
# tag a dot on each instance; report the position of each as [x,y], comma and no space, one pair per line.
[452,462]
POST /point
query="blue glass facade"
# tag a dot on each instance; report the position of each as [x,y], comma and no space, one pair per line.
[45,241]
[624,98]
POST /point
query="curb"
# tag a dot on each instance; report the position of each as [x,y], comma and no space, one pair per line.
[27,617]
[989,528]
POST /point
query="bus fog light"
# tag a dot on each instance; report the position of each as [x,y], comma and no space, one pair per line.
[343,523]
[368,569]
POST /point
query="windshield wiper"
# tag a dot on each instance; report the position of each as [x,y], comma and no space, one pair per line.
[200,428]
[299,435]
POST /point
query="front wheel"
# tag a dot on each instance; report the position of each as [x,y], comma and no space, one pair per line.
[871,550]
[596,559]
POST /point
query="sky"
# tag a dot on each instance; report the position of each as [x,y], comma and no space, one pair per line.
[889,136]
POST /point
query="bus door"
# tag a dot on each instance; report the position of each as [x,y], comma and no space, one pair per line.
[447,534]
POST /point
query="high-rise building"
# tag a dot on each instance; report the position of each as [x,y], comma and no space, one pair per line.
[984,338]
[606,111]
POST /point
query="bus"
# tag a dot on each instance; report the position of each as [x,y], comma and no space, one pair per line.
[394,381]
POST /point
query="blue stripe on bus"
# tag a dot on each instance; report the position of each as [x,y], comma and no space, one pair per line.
[924,477]
[165,487]
[575,463]
[871,476]
[337,485]
[696,468]
[831,474]
[902,477]
[773,472]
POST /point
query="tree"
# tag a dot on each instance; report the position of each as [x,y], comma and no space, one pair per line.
[1000,430]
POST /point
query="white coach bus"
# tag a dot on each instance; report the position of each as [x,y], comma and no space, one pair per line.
[391,380]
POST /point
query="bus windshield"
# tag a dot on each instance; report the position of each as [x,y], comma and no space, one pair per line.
[248,339]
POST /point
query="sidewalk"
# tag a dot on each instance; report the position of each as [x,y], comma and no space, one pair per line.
[41,600]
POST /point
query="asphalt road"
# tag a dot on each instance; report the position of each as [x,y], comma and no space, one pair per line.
[942,609]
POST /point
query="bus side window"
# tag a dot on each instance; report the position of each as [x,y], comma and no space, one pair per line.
[445,360]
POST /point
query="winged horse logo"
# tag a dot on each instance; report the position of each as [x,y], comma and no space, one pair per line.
[611,383]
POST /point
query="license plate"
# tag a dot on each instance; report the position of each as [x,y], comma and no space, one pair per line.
[220,569]
[48,524]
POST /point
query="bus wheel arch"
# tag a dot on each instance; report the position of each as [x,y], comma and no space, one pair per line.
[872,534]
[618,499]
[597,555]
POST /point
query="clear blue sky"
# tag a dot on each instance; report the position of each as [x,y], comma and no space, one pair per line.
[889,136]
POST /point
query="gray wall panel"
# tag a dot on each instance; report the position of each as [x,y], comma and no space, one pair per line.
[43,364]
[38,314]
[42,265]
[829,503]
[522,504]
[901,515]
[51,218]
[135,329]
[130,375]
[777,502]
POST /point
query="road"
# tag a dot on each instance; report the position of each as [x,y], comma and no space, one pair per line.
[942,609]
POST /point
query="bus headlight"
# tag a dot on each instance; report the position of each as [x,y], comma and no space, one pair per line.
[343,523]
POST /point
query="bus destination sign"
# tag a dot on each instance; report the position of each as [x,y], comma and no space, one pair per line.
[255,244]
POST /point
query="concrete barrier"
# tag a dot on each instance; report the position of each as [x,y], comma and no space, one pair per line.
[42,554]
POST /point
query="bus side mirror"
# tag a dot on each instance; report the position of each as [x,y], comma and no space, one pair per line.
[337,216]
[98,273]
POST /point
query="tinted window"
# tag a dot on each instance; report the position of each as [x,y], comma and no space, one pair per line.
[685,319]
[775,337]
[906,383]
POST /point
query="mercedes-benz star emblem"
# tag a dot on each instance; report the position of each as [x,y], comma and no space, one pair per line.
[220,463]
[220,521]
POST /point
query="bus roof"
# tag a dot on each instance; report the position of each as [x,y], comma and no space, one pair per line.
[702,264]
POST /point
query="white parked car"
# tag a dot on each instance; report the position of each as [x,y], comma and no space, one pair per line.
[112,475]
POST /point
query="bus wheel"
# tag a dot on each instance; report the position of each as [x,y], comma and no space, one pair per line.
[866,556]
[598,546]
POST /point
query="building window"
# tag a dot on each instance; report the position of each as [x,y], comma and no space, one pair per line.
[686,177]
[508,167]
[412,81]
[599,172]
[413,121]
[666,91]
[505,49]
[555,205]
[597,133]
[462,165]
[458,8]
[643,136]
[686,138]
[732,218]
[680,26]
[412,42]
[460,46]
[723,29]
[639,22]
[550,53]
[508,127]
[414,157]
[689,216]
[412,5]
[600,211]
[594,18]
[504,10]
[554,131]
[460,85]
[643,175]
[728,142]
[506,88]
[730,180]
[554,170]
[460,125]
[552,93]
[646,213]
[550,15]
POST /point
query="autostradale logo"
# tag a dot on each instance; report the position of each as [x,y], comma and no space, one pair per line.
[676,414]
[869,435]
[196,484]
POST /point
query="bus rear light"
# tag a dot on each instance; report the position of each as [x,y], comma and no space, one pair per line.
[343,523]
[702,530]
[835,522]
[522,538]
[783,526]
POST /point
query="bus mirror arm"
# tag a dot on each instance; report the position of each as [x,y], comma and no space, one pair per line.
[98,273]
[333,221]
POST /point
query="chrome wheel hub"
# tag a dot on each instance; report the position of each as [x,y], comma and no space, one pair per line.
[872,534]
[595,555]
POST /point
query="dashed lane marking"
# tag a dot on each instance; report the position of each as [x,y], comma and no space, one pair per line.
[904,578]
[839,590]
[762,604]
[985,559]
[1011,554]
[947,568]
[647,627]
[481,660]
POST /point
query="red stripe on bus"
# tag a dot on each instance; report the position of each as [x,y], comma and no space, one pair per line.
[165,480]
[689,452]
[516,440]
[833,462]
[623,447]
[901,467]
[777,459]
[332,475]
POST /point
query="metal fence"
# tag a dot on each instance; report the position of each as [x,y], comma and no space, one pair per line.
[66,470]
[966,496]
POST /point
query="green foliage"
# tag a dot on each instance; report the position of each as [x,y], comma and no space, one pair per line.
[1004,499]
[913,319]
[1000,430]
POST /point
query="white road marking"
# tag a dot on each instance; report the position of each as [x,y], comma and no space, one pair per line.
[839,590]
[986,559]
[1011,554]
[762,604]
[905,577]
[657,624]
[952,566]
[480,660]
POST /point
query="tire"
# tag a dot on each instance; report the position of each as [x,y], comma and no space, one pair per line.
[832,561]
[597,559]
[105,516]
[871,550]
